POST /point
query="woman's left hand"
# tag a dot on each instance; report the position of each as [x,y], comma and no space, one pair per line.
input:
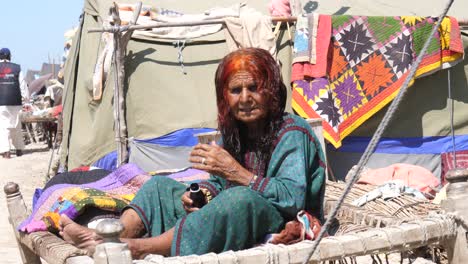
[216,160]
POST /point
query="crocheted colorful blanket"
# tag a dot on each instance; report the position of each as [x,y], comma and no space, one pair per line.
[369,59]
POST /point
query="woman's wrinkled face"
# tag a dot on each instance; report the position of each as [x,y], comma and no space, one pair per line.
[245,101]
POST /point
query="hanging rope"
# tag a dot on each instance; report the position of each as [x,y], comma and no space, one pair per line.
[377,135]
[452,108]
[180,45]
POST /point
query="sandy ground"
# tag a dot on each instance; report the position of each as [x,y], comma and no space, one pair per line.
[29,171]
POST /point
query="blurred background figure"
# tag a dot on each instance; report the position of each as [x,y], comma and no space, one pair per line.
[13,91]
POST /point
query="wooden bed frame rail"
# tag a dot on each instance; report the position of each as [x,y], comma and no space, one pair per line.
[439,229]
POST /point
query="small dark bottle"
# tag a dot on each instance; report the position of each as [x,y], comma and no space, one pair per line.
[197,196]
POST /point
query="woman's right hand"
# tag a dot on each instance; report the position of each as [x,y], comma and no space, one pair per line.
[187,203]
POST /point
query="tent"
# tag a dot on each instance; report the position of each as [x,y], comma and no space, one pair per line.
[40,83]
[31,76]
[161,98]
[51,68]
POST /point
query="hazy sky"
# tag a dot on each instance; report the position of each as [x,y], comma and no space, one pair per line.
[34,29]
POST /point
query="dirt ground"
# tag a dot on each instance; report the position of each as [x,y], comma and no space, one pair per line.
[29,171]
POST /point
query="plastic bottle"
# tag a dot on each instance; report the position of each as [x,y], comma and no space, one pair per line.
[197,195]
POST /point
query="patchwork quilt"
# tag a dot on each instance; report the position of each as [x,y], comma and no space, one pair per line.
[369,59]
[111,194]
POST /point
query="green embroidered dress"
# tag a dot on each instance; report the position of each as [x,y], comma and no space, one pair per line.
[239,217]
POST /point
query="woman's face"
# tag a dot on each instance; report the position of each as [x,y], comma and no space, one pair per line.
[245,101]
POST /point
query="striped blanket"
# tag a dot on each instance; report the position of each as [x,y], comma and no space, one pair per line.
[369,59]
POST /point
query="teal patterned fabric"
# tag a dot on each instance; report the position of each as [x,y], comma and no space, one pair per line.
[239,217]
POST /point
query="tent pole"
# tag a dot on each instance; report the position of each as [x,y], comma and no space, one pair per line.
[291,19]
[120,47]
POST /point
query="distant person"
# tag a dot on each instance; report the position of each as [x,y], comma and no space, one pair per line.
[13,89]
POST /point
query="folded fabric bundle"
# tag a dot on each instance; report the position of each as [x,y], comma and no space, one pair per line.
[369,59]
[187,32]
[304,227]
[410,175]
[250,29]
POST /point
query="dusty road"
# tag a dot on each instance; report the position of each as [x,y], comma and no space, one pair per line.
[29,172]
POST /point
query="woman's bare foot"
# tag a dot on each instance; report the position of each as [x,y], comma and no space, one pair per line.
[80,236]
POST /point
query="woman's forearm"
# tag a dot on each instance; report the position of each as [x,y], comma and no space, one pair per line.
[239,175]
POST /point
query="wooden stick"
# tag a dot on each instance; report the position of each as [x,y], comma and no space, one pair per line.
[404,237]
[17,212]
[30,134]
[44,244]
[461,22]
[120,46]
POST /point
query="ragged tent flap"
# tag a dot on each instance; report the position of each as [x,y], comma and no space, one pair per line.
[370,58]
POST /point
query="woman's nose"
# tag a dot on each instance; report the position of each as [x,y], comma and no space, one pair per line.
[245,95]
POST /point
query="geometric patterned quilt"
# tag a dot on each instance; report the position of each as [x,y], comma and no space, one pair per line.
[369,59]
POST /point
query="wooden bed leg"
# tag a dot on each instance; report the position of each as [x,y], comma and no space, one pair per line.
[30,135]
[457,194]
[112,250]
[17,213]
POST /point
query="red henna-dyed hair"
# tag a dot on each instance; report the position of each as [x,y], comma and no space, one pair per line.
[266,71]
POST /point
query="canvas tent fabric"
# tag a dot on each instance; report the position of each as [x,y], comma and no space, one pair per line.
[168,152]
[39,83]
[160,97]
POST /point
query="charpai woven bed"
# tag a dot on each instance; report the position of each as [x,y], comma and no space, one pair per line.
[405,212]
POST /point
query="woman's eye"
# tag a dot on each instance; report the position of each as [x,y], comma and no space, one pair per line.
[235,90]
[253,88]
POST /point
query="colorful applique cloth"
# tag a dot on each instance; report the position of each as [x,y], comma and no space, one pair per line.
[369,59]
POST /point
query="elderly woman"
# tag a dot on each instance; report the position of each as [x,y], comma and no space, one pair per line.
[268,167]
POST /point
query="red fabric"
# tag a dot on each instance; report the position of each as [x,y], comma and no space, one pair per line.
[294,231]
[447,162]
[456,43]
[413,176]
[303,70]
[82,168]
[57,110]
